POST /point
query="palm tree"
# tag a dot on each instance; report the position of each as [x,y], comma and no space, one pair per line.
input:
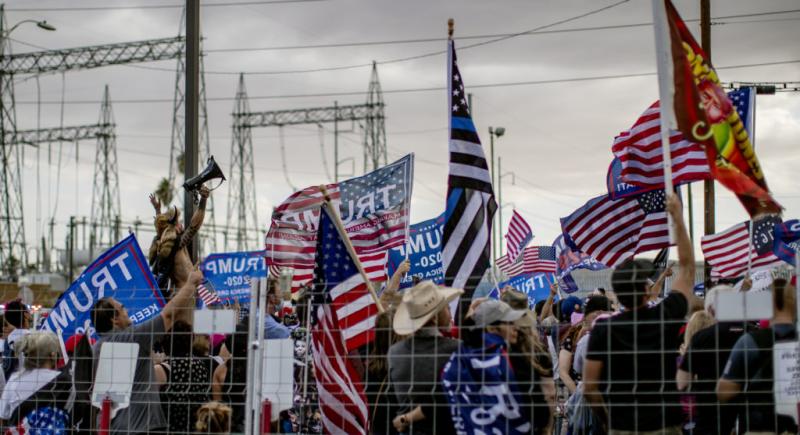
[164,192]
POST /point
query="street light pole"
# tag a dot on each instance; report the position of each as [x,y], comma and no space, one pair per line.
[498,132]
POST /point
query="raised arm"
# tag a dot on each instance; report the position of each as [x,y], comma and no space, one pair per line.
[683,281]
[181,306]
[547,309]
[197,218]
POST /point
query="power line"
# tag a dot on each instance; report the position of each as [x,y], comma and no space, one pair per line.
[413,90]
[165,6]
[493,35]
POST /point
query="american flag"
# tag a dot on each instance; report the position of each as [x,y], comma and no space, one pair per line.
[374,208]
[639,149]
[470,199]
[207,294]
[343,317]
[728,252]
[613,231]
[518,236]
[535,259]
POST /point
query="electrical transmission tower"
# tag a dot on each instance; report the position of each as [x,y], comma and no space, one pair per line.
[375,126]
[105,193]
[208,238]
[12,230]
[242,186]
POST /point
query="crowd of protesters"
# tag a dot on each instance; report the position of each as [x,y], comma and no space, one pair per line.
[636,358]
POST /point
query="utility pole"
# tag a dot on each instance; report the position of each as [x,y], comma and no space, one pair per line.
[374,126]
[191,117]
[708,185]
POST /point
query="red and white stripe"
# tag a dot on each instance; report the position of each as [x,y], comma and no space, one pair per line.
[530,263]
[341,394]
[613,231]
[208,297]
[291,239]
[355,310]
[374,266]
[639,151]
[728,253]
[519,234]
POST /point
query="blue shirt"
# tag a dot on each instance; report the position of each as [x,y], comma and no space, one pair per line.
[274,329]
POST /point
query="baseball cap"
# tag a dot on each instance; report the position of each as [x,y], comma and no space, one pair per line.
[493,311]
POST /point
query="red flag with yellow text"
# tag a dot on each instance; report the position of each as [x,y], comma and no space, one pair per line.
[705,115]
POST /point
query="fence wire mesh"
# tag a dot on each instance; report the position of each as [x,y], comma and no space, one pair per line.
[563,365]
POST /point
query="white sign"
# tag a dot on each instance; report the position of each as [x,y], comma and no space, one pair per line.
[277,381]
[114,378]
[733,306]
[786,367]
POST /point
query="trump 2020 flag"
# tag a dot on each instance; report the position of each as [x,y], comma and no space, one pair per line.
[470,198]
[706,115]
[374,209]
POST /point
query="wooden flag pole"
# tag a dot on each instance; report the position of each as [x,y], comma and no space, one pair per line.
[340,227]
[663,61]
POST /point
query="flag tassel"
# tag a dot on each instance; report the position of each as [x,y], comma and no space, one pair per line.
[346,239]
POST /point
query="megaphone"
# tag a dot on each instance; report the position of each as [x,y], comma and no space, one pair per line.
[211,172]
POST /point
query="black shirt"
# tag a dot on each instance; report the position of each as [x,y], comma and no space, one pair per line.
[639,351]
[705,358]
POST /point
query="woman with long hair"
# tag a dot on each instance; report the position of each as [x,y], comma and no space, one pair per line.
[381,399]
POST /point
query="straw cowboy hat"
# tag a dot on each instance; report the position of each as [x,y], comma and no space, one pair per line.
[420,304]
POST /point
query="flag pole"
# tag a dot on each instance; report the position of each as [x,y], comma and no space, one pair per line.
[340,227]
[663,61]
[749,247]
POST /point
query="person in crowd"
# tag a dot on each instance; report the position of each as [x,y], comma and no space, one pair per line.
[184,379]
[382,401]
[213,418]
[16,324]
[37,395]
[111,321]
[629,373]
[594,307]
[699,321]
[230,379]
[273,327]
[701,366]
[484,363]
[749,371]
[416,362]
[532,363]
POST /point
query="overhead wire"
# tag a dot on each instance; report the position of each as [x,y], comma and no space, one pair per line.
[421,89]
[164,6]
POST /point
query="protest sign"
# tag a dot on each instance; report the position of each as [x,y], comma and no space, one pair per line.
[535,285]
[787,240]
[120,273]
[424,252]
[230,273]
[786,366]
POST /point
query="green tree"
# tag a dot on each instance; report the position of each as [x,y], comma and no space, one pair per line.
[164,192]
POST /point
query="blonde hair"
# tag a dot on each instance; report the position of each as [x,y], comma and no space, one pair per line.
[38,349]
[214,417]
[699,320]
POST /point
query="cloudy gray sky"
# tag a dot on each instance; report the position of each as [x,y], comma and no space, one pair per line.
[558,133]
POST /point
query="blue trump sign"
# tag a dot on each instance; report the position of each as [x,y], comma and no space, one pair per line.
[230,273]
[424,252]
[121,273]
[535,285]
